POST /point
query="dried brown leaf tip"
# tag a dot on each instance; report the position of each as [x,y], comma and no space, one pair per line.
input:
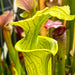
[59,28]
[6,18]
[28,5]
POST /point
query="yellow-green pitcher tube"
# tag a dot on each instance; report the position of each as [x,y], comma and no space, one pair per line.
[12,52]
[39,61]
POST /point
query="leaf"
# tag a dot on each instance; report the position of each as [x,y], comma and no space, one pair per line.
[37,50]
[67,8]
[32,25]
[27,5]
[62,12]
[6,18]
[37,60]
[15,71]
[24,14]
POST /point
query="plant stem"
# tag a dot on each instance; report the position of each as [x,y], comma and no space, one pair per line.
[1,36]
[38,4]
[2,6]
[55,1]
[60,2]
[60,57]
[73,64]
[43,30]
[70,32]
[72,6]
[0,60]
[12,52]
[74,38]
[14,37]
